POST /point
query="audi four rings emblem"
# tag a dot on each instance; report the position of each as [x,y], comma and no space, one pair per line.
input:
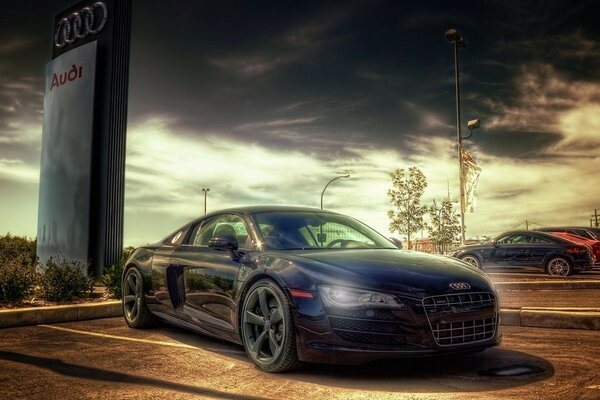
[80,24]
[460,286]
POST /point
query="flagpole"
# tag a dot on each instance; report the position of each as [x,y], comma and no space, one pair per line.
[459,140]
[457,41]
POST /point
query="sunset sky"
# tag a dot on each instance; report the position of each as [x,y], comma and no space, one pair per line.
[264,102]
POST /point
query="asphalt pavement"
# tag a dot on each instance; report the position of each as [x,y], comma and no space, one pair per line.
[104,359]
[580,298]
[504,275]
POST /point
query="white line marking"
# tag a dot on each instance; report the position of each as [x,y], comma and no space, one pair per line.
[130,339]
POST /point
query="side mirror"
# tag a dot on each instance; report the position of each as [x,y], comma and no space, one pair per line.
[397,242]
[229,244]
[223,243]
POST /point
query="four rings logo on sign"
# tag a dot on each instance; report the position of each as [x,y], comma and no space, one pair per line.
[80,24]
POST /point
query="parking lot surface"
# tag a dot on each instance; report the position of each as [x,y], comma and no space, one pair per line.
[104,359]
[507,276]
[574,298]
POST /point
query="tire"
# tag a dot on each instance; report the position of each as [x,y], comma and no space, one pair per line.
[472,260]
[559,266]
[267,328]
[135,310]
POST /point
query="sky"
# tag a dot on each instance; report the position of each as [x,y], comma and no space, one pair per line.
[264,102]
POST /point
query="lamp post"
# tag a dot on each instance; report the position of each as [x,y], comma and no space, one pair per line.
[205,190]
[329,183]
[457,42]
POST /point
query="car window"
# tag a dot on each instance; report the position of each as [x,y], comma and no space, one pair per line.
[515,239]
[334,234]
[508,239]
[316,230]
[536,239]
[223,226]
[581,232]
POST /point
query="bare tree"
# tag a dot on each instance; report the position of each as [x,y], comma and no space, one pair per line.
[407,189]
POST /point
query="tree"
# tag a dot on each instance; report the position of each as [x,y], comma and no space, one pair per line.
[443,227]
[405,195]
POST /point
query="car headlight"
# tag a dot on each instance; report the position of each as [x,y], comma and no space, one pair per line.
[339,296]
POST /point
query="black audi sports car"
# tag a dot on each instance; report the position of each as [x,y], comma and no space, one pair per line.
[528,250]
[299,284]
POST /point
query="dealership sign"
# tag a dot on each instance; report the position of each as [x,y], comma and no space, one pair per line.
[79,24]
[82,171]
[66,155]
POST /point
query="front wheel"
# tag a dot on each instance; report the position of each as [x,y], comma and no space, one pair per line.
[559,266]
[135,310]
[268,329]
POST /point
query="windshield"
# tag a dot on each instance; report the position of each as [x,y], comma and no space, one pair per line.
[292,230]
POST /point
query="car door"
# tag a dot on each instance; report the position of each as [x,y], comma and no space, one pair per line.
[509,252]
[537,251]
[160,276]
[209,276]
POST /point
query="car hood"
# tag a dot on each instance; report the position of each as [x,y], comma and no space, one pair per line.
[396,271]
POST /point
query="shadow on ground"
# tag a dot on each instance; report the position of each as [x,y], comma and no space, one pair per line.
[464,373]
[98,374]
[457,373]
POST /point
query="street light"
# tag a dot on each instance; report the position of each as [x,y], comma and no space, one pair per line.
[205,190]
[457,42]
[329,183]
[472,125]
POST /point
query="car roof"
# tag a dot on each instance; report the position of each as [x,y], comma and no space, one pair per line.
[535,233]
[552,228]
[247,210]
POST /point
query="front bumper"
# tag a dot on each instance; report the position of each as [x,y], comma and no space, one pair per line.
[331,354]
[438,325]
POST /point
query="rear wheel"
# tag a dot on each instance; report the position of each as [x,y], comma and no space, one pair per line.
[135,310]
[559,266]
[268,330]
[474,261]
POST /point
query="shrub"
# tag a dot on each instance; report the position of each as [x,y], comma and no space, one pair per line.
[113,275]
[18,278]
[65,280]
[17,247]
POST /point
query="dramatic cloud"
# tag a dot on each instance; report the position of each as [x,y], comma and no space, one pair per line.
[264,103]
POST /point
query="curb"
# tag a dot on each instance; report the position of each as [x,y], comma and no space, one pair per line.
[540,317]
[558,318]
[548,285]
[55,314]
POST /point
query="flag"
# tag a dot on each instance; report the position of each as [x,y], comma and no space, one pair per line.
[470,172]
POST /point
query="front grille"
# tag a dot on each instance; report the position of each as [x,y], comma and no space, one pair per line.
[463,299]
[370,338]
[450,333]
[369,326]
[361,313]
[451,317]
[350,324]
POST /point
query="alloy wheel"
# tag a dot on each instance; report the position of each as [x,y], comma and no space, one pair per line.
[131,296]
[263,325]
[471,260]
[558,266]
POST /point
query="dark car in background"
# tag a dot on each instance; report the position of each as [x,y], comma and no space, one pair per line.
[528,251]
[586,232]
[299,284]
